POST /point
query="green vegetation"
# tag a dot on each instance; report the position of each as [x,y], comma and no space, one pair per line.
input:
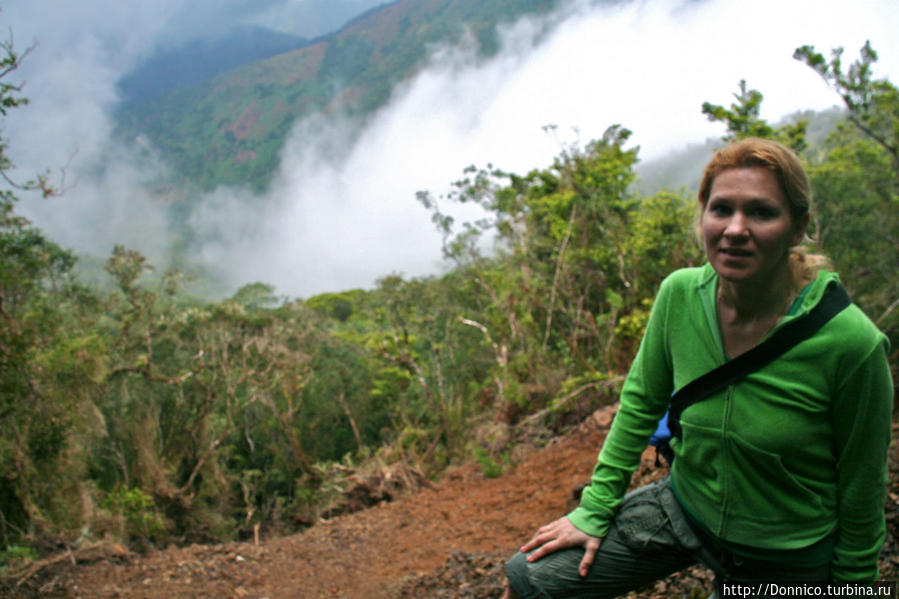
[137,413]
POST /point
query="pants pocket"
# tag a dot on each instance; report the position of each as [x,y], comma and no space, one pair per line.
[641,520]
[650,517]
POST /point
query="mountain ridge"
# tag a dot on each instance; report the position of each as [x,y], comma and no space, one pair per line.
[201,59]
[230,128]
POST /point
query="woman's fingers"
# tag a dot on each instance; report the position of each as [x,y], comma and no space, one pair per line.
[545,549]
[543,535]
[591,548]
[559,535]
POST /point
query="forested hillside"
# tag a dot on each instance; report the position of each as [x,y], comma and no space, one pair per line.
[200,59]
[144,416]
[229,129]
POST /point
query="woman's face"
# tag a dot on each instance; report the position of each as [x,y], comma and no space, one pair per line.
[747,227]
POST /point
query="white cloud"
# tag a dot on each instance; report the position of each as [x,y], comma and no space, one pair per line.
[336,225]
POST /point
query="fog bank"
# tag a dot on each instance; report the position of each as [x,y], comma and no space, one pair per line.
[331,223]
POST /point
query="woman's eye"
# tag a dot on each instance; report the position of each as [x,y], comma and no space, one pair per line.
[763,213]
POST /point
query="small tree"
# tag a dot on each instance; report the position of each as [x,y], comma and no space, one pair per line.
[743,119]
[872,104]
[857,183]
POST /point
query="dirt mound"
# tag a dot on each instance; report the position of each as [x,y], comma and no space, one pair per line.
[473,575]
[447,541]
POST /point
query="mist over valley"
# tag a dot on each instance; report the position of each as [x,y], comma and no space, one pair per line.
[240,144]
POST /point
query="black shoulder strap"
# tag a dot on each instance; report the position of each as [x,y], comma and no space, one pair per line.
[834,300]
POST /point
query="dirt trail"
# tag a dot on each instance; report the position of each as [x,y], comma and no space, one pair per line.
[444,541]
[367,554]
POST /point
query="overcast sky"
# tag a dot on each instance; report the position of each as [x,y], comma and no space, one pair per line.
[330,225]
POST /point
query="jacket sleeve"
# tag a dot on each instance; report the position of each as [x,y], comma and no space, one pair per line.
[862,414]
[644,399]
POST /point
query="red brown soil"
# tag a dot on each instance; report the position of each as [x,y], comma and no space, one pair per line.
[244,125]
[447,540]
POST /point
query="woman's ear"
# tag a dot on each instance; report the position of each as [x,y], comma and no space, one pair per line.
[801,228]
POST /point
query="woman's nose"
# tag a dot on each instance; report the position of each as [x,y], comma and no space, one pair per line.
[736,226]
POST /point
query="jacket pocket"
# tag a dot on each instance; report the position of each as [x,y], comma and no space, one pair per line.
[767,491]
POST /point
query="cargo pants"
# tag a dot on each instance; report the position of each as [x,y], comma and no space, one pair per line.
[649,539]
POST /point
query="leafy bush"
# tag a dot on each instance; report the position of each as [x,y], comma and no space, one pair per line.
[143,522]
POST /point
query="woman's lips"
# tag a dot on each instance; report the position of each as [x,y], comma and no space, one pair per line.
[736,252]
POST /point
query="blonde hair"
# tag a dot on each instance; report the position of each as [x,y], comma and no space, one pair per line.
[794,182]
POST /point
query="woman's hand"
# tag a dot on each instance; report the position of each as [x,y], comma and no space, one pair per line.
[560,535]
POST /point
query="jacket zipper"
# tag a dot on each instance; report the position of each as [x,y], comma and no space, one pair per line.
[725,476]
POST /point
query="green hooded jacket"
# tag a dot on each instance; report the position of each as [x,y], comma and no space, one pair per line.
[780,460]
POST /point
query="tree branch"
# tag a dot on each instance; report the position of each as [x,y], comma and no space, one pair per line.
[556,275]
[564,400]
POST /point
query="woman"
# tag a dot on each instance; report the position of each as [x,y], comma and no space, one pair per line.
[781,477]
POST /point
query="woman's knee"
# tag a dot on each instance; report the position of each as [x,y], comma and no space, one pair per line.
[551,576]
[517,575]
